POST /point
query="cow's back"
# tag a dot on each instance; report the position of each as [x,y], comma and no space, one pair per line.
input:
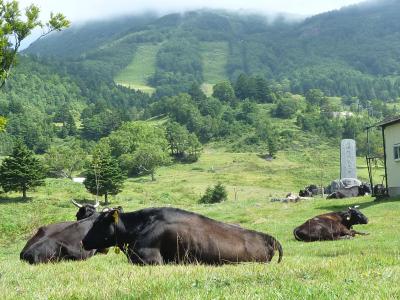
[321,227]
[200,238]
[44,232]
[61,241]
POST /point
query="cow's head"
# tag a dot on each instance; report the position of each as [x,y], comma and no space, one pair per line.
[103,232]
[364,189]
[354,216]
[85,210]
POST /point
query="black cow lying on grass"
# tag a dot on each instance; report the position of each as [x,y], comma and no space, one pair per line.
[61,241]
[309,191]
[354,191]
[171,235]
[331,226]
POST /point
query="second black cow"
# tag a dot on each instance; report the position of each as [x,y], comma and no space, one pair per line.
[61,241]
[331,226]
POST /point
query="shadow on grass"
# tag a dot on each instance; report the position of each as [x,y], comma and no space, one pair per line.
[142,180]
[334,252]
[8,200]
[341,207]
[266,157]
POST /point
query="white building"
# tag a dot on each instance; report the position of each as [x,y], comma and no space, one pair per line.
[78,179]
[391,146]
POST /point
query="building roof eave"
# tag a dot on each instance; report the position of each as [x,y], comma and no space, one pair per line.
[387,122]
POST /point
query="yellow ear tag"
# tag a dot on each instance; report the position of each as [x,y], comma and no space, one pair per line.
[117,250]
[115,216]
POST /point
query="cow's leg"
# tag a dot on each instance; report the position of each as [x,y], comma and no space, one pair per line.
[359,232]
[151,256]
[145,256]
[345,237]
[146,249]
[346,233]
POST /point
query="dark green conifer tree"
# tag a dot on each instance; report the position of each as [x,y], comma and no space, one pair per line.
[21,171]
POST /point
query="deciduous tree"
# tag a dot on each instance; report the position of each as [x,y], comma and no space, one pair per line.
[224,92]
[104,176]
[14,28]
[62,161]
[148,158]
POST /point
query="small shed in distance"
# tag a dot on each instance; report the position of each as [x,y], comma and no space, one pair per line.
[391,145]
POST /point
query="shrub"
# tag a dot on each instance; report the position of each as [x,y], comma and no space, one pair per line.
[214,195]
[285,109]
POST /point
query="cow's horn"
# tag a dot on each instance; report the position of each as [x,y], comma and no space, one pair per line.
[356,206]
[76,203]
[97,203]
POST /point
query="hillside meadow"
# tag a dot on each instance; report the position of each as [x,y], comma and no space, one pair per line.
[366,267]
[141,68]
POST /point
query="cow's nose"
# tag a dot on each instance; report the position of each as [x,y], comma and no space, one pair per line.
[28,257]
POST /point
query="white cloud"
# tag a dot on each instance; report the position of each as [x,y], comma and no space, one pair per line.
[82,10]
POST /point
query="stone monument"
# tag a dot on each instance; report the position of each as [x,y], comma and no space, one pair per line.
[348,159]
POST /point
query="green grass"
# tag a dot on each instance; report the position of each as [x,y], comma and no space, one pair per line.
[207,89]
[366,267]
[215,58]
[143,65]
[335,101]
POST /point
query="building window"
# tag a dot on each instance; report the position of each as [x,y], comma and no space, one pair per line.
[396,151]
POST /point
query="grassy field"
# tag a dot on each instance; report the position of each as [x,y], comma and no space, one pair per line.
[215,58]
[207,89]
[143,65]
[366,267]
[135,75]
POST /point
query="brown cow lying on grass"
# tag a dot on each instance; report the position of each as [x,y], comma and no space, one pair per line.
[331,226]
[172,235]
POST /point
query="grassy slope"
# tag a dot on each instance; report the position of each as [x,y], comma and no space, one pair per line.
[215,58]
[363,268]
[135,75]
[143,65]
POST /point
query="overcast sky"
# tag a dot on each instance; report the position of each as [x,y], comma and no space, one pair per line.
[82,10]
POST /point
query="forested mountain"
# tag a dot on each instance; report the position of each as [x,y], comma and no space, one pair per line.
[253,84]
[84,37]
[45,100]
[353,51]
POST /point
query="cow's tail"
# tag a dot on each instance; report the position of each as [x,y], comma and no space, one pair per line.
[278,246]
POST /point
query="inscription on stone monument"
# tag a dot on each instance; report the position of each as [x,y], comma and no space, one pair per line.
[348,167]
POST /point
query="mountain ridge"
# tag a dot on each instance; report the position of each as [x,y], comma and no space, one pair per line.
[352,51]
